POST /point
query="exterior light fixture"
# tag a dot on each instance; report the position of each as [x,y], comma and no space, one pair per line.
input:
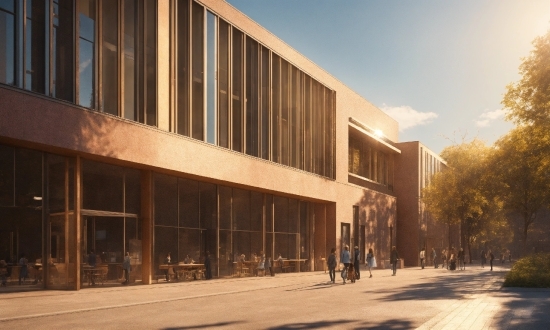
[37,198]
[379,133]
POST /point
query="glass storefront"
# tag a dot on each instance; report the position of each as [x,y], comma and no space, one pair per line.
[41,222]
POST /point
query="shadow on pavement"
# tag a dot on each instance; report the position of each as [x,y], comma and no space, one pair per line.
[311,325]
[389,324]
[454,286]
[524,310]
[205,326]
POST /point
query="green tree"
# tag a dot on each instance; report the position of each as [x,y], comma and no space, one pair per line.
[520,167]
[459,194]
[528,100]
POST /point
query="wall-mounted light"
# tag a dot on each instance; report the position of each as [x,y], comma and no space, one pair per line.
[37,198]
[379,132]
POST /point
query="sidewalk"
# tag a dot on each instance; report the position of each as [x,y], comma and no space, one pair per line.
[424,299]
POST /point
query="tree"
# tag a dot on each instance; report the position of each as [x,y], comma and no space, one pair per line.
[458,194]
[528,100]
[520,166]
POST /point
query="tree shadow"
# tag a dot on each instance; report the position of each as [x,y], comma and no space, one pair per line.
[206,326]
[448,287]
[524,310]
[311,325]
[388,324]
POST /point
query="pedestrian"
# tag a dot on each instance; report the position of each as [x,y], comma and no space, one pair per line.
[483,258]
[491,258]
[24,272]
[127,267]
[357,262]
[371,261]
[3,272]
[510,256]
[346,260]
[167,261]
[461,259]
[502,257]
[261,265]
[268,266]
[92,261]
[422,257]
[331,264]
[434,258]
[444,259]
[394,257]
[207,266]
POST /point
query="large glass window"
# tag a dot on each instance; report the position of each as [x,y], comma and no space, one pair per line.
[63,50]
[237,91]
[252,94]
[86,58]
[211,78]
[198,71]
[264,103]
[223,84]
[182,72]
[275,107]
[150,62]
[284,128]
[7,42]
[35,46]
[109,59]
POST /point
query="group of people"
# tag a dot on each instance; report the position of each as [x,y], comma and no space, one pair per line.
[189,260]
[351,270]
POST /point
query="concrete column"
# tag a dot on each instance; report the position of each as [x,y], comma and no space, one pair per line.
[78,221]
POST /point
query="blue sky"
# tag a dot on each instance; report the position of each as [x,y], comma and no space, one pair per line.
[439,67]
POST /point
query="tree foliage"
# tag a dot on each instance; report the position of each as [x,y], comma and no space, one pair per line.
[528,100]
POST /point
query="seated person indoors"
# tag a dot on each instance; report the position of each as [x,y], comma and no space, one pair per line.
[188,260]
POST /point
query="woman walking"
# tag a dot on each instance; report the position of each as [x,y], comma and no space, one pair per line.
[371,261]
[331,263]
[394,257]
[127,267]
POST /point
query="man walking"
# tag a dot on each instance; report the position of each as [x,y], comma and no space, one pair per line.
[422,257]
[394,257]
[434,258]
[491,258]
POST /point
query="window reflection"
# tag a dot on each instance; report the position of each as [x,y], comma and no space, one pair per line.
[86,16]
[35,46]
[62,52]
[110,57]
[7,42]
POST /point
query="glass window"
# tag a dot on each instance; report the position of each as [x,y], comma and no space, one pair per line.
[102,186]
[7,42]
[182,74]
[304,233]
[35,46]
[198,71]
[86,84]
[189,203]
[252,106]
[225,207]
[166,241]
[211,78]
[132,191]
[307,125]
[280,205]
[208,206]
[109,61]
[237,90]
[6,176]
[129,65]
[264,103]
[269,213]
[166,200]
[223,84]
[256,210]
[293,216]
[151,62]
[189,244]
[63,52]
[241,209]
[285,89]
[275,107]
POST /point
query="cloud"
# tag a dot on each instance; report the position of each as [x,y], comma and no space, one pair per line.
[487,117]
[407,117]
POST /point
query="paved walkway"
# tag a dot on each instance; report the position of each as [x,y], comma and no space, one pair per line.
[423,299]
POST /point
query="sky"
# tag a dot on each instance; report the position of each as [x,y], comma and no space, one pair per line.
[440,68]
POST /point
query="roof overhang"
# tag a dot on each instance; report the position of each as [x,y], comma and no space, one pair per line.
[365,130]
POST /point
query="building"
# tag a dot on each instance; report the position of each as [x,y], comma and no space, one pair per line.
[417,227]
[160,126]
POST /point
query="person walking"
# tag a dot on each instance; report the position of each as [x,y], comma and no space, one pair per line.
[371,261]
[483,258]
[346,260]
[127,267]
[444,259]
[394,257]
[357,262]
[491,258]
[422,257]
[331,263]
[434,258]
[24,272]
